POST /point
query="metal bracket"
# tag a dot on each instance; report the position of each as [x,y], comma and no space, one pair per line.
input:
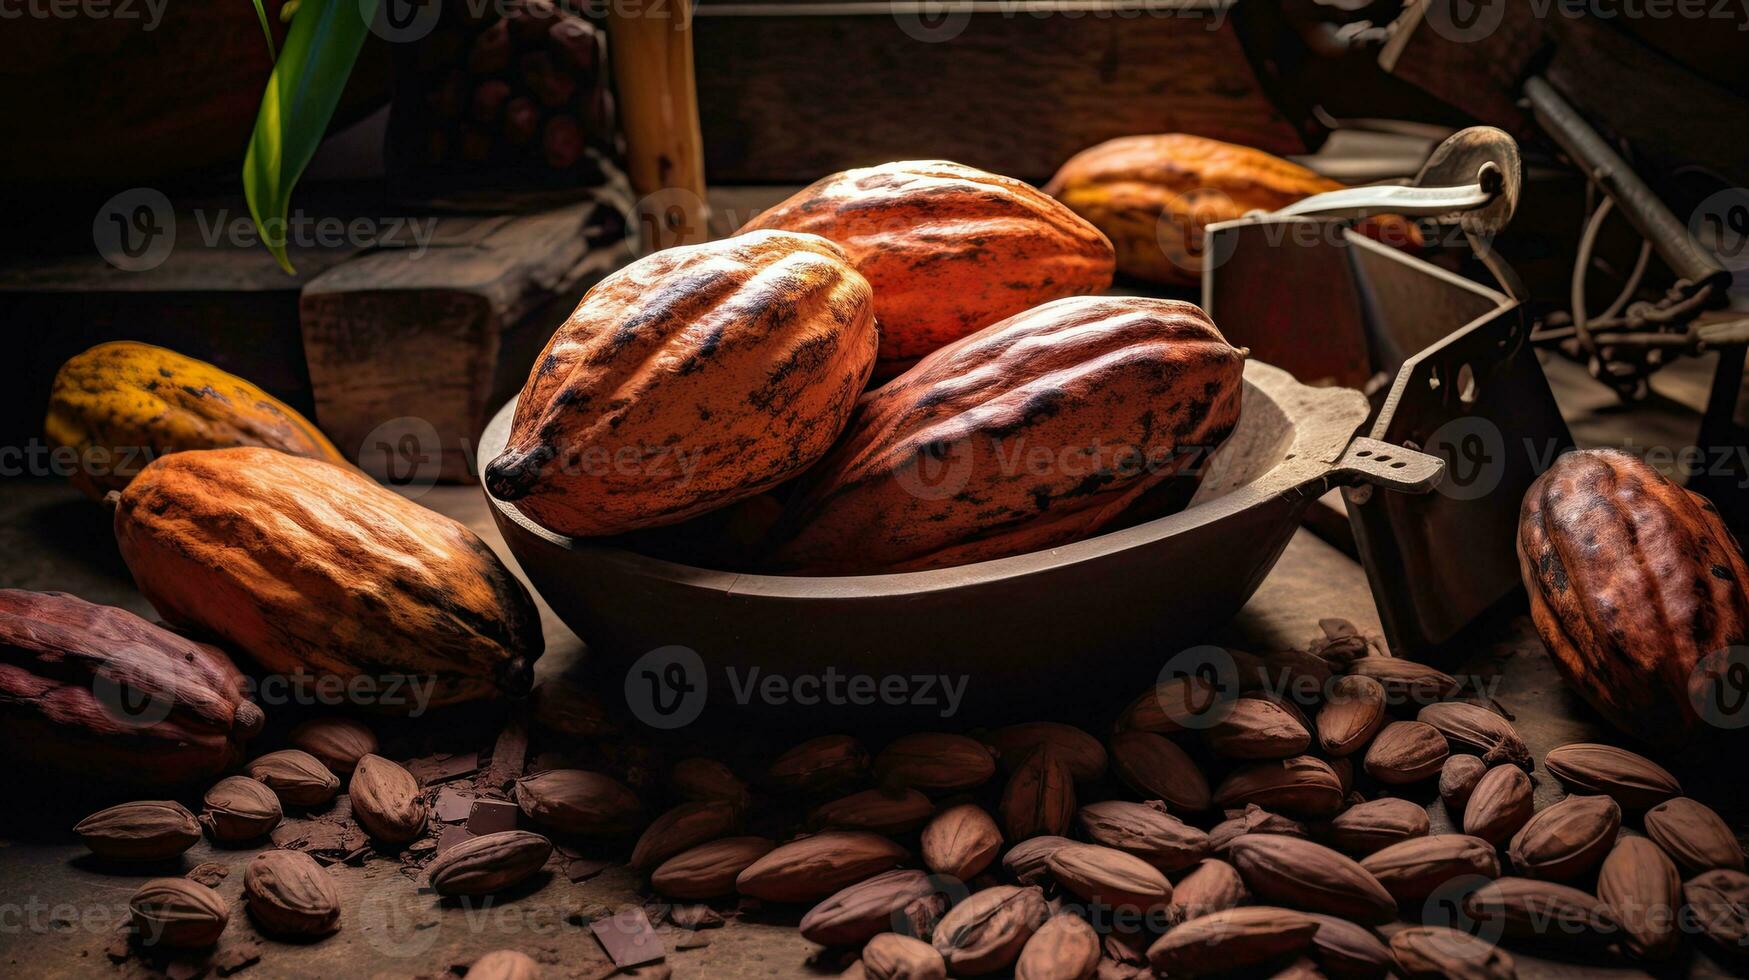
[1377,463]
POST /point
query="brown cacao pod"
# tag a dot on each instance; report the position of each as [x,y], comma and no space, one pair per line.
[1153,196]
[689,380]
[123,404]
[98,694]
[1120,393]
[1633,581]
[948,249]
[270,552]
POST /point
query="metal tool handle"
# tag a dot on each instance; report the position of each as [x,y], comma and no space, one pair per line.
[1365,202]
[1643,209]
[1377,463]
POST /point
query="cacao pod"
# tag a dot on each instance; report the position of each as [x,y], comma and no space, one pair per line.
[309,567]
[98,694]
[1154,196]
[948,249]
[123,404]
[1633,581]
[1120,393]
[689,380]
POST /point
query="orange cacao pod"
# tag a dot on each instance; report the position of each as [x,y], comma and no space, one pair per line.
[1153,196]
[1633,582]
[310,567]
[689,380]
[1118,394]
[949,249]
[97,693]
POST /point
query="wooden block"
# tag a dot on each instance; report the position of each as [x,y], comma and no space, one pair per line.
[790,92]
[1673,117]
[1473,56]
[409,350]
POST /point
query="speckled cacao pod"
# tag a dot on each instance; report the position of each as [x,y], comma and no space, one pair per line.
[1633,583]
[1034,432]
[1153,196]
[306,566]
[122,404]
[949,249]
[96,693]
[689,380]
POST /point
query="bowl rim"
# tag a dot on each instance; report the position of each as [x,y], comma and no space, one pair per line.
[1324,422]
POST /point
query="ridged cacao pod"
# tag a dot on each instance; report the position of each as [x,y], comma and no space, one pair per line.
[98,694]
[941,466]
[1153,196]
[307,566]
[123,404]
[949,249]
[1633,581]
[689,380]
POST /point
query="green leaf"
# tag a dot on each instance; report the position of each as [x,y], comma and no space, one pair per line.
[267,32]
[308,77]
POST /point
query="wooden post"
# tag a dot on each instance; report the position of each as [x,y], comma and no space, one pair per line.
[651,44]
